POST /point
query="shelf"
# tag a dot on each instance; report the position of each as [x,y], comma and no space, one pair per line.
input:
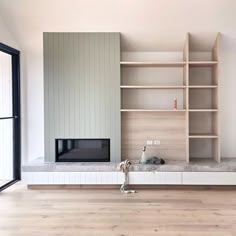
[151,87]
[203,63]
[202,86]
[204,148]
[167,87]
[203,160]
[152,64]
[203,136]
[152,110]
[203,110]
[203,99]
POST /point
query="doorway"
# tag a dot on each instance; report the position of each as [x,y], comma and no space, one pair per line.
[10,143]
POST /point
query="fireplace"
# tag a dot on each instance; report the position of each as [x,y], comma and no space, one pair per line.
[82,150]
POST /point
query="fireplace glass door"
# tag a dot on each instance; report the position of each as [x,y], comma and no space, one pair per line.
[83,150]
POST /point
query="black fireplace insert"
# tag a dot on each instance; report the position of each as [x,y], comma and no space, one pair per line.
[82,150]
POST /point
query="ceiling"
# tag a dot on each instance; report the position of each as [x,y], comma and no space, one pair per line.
[146,25]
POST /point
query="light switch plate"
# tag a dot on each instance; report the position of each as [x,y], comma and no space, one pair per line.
[149,142]
[157,142]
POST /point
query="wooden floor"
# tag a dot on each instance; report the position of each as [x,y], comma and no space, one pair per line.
[106,212]
[3,181]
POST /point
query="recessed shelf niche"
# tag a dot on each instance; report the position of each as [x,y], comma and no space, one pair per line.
[203,98]
[203,148]
[203,123]
[151,76]
[202,76]
[158,99]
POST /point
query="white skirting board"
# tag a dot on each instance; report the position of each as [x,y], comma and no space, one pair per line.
[72,177]
[209,178]
[145,178]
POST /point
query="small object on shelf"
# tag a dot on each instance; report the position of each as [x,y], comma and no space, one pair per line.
[175,104]
[155,161]
[143,158]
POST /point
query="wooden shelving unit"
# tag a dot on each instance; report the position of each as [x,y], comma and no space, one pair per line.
[188,133]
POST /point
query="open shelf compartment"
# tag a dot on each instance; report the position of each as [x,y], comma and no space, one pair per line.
[203,76]
[203,124]
[203,49]
[204,149]
[146,76]
[151,99]
[203,98]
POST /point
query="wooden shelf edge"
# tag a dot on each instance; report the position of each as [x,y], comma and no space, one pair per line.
[202,159]
[166,87]
[151,87]
[149,110]
[202,86]
[202,63]
[152,64]
[202,136]
[203,110]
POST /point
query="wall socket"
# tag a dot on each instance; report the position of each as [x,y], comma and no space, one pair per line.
[157,142]
[153,142]
[149,142]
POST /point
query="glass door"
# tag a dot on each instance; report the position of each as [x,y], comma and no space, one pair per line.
[9,116]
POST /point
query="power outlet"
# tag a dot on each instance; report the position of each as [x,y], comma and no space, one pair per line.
[149,142]
[157,142]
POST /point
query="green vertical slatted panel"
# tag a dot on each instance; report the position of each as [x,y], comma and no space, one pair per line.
[82,88]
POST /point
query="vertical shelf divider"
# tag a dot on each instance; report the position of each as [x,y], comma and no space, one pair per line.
[216,127]
[186,83]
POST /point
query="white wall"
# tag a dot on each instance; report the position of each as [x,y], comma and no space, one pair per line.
[5,35]
[228,95]
[145,25]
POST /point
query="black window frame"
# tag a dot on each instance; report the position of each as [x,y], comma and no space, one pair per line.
[15,55]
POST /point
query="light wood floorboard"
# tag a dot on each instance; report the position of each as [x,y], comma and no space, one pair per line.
[3,181]
[105,212]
